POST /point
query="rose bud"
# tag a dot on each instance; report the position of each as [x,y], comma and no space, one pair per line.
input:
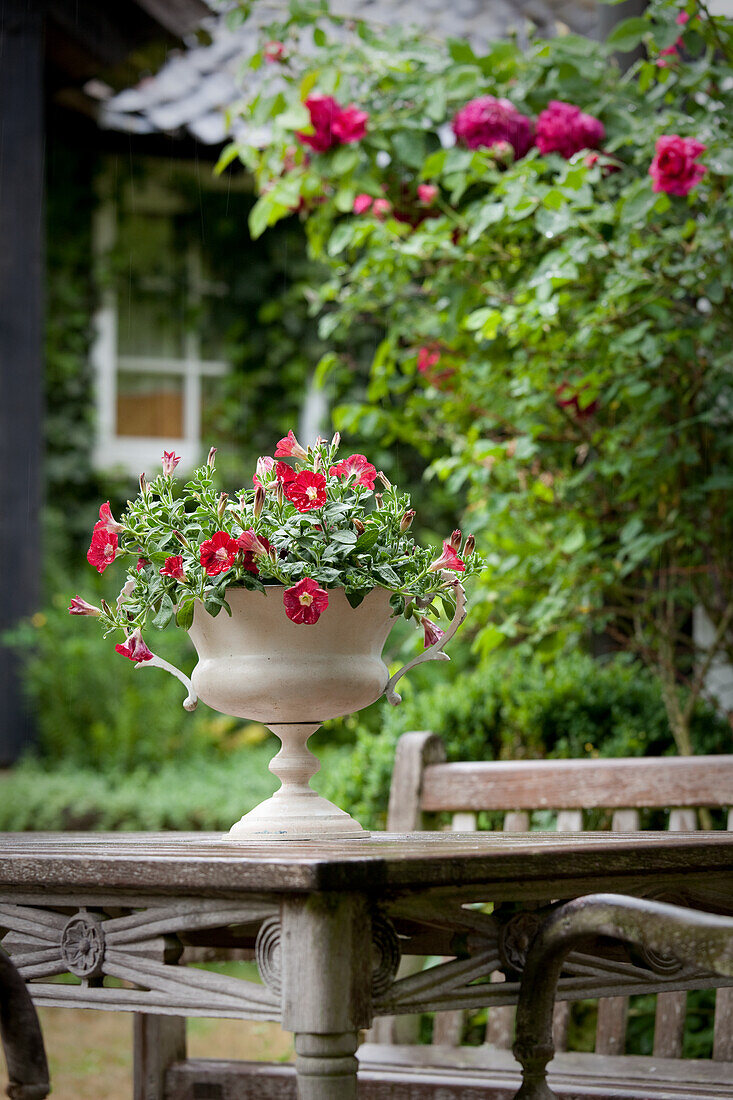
[259,501]
[210,459]
[406,521]
[359,526]
[470,546]
[456,539]
[221,507]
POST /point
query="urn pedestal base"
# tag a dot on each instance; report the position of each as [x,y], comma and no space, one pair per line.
[295,811]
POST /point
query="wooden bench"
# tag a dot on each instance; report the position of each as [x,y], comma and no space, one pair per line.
[424,784]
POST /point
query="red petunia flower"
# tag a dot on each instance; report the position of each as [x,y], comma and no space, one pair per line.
[135,648]
[358,466]
[173,567]
[284,473]
[107,521]
[448,560]
[306,491]
[103,548]
[78,606]
[217,553]
[140,564]
[305,602]
[288,447]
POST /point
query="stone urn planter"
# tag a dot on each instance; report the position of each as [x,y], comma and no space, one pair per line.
[259,665]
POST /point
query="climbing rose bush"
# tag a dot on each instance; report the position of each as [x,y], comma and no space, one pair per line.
[553,320]
[308,524]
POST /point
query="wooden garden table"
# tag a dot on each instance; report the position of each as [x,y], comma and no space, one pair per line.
[328,921]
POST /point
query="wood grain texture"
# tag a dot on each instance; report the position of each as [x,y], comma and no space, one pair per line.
[414,752]
[651,783]
[182,864]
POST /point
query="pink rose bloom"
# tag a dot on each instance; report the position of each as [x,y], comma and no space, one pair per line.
[349,124]
[427,193]
[682,18]
[565,129]
[673,168]
[305,602]
[173,568]
[355,466]
[274,51]
[381,208]
[135,648]
[485,121]
[427,358]
[78,606]
[362,203]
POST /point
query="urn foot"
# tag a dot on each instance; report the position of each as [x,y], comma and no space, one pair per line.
[295,812]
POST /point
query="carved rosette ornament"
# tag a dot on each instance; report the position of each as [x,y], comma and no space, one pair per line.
[82,945]
[515,938]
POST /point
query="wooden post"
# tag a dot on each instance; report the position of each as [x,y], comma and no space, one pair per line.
[326,989]
[158,1042]
[21,342]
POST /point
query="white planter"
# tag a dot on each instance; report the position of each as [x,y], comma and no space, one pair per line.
[257,664]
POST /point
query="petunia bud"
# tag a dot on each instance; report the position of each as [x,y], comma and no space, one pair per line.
[259,501]
[221,507]
[280,494]
[336,440]
[143,484]
[406,521]
[385,481]
[359,526]
[470,546]
[455,539]
[182,539]
[78,606]
[379,500]
[211,457]
[106,608]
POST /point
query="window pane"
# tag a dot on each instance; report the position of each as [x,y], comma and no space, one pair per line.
[149,404]
[151,296]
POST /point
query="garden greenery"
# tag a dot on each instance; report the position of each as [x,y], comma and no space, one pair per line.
[546,243]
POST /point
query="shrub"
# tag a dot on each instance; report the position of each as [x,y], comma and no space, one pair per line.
[512,709]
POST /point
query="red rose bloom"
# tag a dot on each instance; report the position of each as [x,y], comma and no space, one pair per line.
[673,168]
[103,548]
[173,567]
[563,128]
[306,491]
[362,203]
[355,466]
[217,553]
[485,121]
[305,602]
[135,648]
[427,358]
[427,193]
[332,123]
[349,125]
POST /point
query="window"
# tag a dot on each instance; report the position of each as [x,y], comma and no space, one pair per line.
[156,354]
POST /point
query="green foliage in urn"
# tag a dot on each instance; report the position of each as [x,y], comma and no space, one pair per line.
[546,244]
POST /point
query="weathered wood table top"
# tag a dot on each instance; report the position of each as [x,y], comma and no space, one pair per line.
[204,863]
[328,922]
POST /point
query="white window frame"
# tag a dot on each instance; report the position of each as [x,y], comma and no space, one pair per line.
[141,454]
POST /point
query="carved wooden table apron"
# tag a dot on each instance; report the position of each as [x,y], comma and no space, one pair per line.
[329,922]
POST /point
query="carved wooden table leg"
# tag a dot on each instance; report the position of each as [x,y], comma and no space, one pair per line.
[697,938]
[326,967]
[21,1037]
